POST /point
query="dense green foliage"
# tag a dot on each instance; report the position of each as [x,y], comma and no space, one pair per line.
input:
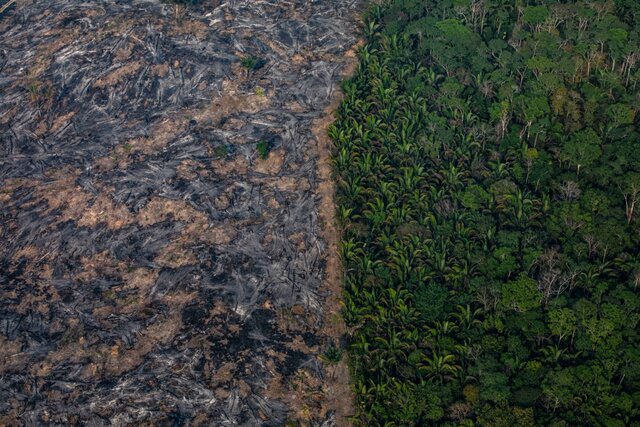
[488,171]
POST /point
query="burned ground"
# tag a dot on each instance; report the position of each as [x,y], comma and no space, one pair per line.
[154,269]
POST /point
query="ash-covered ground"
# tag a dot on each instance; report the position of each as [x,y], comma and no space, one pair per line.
[154,269]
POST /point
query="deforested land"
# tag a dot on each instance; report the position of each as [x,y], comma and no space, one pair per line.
[166,254]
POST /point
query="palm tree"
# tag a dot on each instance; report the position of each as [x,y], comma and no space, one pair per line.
[350,250]
[443,328]
[451,177]
[466,317]
[376,212]
[351,187]
[401,215]
[553,353]
[430,76]
[346,214]
[440,368]
[367,265]
[498,168]
[371,29]
[352,312]
[344,159]
[519,206]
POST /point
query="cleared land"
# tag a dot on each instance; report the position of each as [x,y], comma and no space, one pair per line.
[154,268]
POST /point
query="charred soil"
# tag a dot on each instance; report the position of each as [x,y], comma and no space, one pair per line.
[157,267]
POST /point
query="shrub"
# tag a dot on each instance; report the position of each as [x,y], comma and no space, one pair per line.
[221,151]
[251,63]
[263,148]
